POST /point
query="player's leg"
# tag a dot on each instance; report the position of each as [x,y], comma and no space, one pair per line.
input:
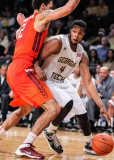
[35,93]
[64,111]
[50,132]
[52,109]
[14,117]
[57,89]
[86,129]
[79,110]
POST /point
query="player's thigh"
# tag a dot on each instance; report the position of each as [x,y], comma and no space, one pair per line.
[78,106]
[32,90]
[26,109]
[59,93]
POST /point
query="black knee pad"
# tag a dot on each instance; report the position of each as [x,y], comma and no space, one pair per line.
[69,106]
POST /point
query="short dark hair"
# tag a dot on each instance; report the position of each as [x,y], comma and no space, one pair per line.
[79,23]
[37,3]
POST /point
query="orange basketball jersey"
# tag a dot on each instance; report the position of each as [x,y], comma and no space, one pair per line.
[26,86]
[29,41]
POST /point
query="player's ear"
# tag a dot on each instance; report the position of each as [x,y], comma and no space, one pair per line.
[70,30]
[43,6]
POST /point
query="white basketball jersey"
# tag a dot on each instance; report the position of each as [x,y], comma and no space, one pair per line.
[59,66]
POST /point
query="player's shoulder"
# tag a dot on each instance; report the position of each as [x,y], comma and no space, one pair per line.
[58,38]
[82,50]
[44,14]
[80,47]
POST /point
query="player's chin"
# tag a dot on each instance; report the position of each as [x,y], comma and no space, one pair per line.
[74,42]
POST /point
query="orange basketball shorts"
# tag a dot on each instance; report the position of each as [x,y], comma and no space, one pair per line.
[26,86]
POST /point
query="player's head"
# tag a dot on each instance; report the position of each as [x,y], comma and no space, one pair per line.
[45,4]
[77,31]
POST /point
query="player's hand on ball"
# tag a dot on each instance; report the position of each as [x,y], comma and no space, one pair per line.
[104,112]
[20,18]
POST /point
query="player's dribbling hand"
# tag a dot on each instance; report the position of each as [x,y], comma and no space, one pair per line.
[20,18]
[104,112]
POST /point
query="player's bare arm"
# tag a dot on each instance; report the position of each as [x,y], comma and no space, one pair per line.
[60,12]
[50,47]
[39,72]
[84,70]
[45,17]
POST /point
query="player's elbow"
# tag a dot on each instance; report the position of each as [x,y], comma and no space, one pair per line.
[87,83]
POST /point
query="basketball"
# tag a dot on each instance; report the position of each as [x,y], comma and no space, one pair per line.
[102,144]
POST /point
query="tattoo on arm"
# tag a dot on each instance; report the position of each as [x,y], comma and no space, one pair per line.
[45,14]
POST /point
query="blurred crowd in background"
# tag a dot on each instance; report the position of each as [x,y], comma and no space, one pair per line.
[98,43]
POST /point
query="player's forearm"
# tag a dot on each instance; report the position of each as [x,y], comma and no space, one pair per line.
[93,93]
[72,4]
[36,63]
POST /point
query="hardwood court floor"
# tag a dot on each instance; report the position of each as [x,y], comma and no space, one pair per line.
[72,142]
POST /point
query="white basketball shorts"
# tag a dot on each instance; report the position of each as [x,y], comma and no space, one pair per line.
[63,92]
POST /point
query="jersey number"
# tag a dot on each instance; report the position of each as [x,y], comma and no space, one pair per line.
[62,69]
[22,29]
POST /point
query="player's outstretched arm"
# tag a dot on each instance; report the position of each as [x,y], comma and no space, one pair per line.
[91,89]
[60,12]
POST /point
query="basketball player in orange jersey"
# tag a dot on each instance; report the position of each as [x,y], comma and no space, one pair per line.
[27,88]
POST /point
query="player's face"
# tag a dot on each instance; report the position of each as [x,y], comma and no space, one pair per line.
[76,34]
[49,6]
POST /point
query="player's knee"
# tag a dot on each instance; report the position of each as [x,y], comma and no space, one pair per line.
[55,110]
[83,118]
[52,108]
[58,109]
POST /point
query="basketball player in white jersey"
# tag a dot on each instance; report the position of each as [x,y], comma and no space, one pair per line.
[61,55]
